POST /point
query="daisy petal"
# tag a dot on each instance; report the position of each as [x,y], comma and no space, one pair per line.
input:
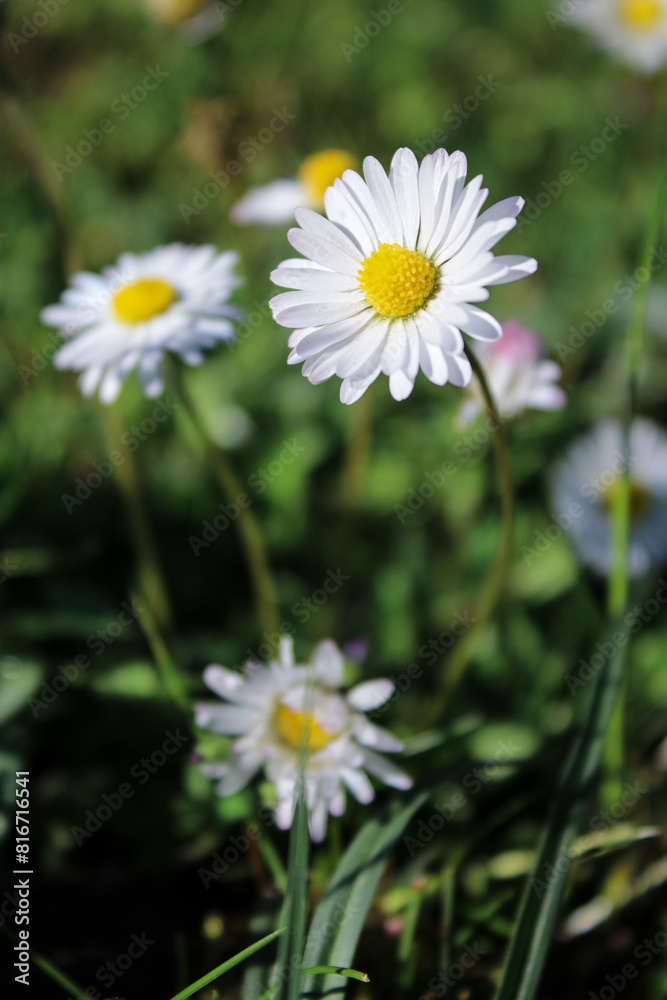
[370,694]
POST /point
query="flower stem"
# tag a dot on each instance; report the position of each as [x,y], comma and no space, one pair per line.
[171,678]
[492,593]
[148,564]
[249,531]
[70,261]
[617,596]
[352,484]
[41,170]
[356,458]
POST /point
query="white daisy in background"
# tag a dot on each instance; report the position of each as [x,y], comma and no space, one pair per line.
[390,276]
[635,31]
[273,710]
[517,377]
[275,203]
[173,298]
[196,19]
[589,476]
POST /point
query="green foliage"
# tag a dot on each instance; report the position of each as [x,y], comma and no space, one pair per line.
[65,574]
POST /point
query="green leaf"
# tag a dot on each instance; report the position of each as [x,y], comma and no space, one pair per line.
[539,908]
[339,919]
[229,964]
[129,680]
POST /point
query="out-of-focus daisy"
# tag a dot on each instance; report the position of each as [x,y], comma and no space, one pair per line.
[276,203]
[173,298]
[517,377]
[589,476]
[197,19]
[274,710]
[390,277]
[633,30]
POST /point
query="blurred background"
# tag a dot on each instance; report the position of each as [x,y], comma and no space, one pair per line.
[526,100]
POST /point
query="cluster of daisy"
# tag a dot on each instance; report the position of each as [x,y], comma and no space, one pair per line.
[388,282]
[392,270]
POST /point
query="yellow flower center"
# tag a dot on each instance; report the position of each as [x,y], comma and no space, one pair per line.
[397,281]
[640,499]
[319,171]
[641,14]
[175,11]
[298,728]
[143,299]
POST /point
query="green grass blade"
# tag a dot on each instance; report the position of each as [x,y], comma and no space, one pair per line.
[298,882]
[57,976]
[339,919]
[256,971]
[226,966]
[51,970]
[539,908]
[335,971]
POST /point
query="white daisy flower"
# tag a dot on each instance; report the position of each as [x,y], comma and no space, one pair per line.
[589,476]
[635,31]
[196,19]
[173,298]
[517,377]
[277,202]
[274,709]
[390,277]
